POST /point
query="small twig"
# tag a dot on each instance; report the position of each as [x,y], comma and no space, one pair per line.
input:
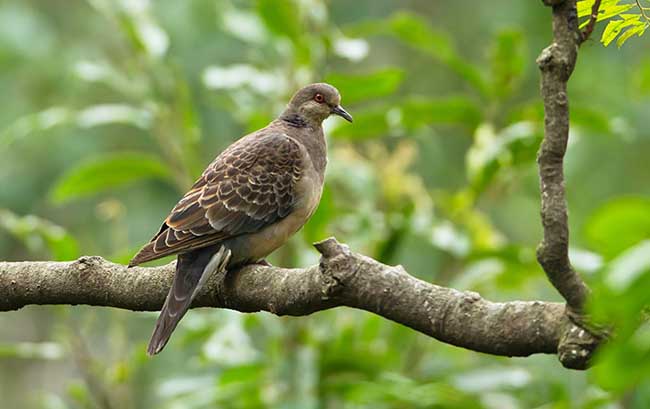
[592,21]
[643,10]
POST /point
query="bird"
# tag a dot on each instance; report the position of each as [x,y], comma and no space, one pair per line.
[256,194]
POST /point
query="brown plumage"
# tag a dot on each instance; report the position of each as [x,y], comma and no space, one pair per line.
[247,203]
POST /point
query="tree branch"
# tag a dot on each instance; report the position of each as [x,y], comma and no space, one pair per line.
[343,278]
[593,17]
[556,63]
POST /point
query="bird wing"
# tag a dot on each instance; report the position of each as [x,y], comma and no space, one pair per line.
[247,187]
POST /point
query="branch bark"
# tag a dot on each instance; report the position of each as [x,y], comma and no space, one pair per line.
[556,63]
[343,278]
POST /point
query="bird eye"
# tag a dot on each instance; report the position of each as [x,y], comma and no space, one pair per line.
[319,98]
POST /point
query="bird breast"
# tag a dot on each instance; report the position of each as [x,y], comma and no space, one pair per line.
[308,193]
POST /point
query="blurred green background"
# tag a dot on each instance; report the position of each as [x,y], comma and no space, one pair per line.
[112,108]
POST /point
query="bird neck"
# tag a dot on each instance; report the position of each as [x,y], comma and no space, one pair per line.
[294,119]
[316,146]
[309,134]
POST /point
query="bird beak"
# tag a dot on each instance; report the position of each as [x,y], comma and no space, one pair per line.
[338,110]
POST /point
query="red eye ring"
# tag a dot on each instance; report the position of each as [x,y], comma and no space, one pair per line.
[319,98]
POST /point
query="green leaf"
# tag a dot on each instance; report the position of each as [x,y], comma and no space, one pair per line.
[417,111]
[508,60]
[591,119]
[618,225]
[369,123]
[32,123]
[105,172]
[281,17]
[37,234]
[642,77]
[93,115]
[613,11]
[621,298]
[410,114]
[363,87]
[607,9]
[614,27]
[638,29]
[628,267]
[416,32]
[584,6]
[494,150]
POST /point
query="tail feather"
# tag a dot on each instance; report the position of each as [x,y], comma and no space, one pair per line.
[192,271]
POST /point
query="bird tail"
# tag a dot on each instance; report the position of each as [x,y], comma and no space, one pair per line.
[192,271]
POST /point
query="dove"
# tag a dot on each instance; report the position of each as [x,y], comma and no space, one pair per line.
[247,203]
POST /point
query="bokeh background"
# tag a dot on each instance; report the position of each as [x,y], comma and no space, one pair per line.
[110,109]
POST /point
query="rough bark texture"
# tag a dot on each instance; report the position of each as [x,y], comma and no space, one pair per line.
[343,278]
[556,63]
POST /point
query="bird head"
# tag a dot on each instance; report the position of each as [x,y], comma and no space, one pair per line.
[316,102]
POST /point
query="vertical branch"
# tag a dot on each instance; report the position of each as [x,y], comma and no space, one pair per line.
[556,63]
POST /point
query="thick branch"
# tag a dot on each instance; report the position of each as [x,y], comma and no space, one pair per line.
[556,63]
[343,278]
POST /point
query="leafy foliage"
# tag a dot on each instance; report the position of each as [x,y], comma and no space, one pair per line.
[106,172]
[626,19]
[116,106]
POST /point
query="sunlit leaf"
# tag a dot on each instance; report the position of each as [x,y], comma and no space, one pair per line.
[615,27]
[607,9]
[613,10]
[101,173]
[637,29]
